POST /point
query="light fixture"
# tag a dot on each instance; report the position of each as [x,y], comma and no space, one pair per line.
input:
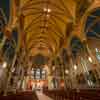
[53,68]
[96,49]
[4,65]
[49,10]
[13,69]
[90,59]
[45,9]
[48,15]
[66,71]
[75,67]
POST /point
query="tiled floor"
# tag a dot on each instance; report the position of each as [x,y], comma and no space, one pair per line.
[41,96]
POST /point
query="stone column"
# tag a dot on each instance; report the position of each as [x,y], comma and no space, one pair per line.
[10,74]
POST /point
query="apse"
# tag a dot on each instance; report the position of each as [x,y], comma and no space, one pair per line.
[39,59]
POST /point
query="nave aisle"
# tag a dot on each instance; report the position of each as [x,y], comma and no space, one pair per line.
[42,96]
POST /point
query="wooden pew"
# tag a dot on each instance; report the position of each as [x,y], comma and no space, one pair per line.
[20,96]
[74,94]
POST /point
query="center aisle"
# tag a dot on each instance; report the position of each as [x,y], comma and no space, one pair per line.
[42,96]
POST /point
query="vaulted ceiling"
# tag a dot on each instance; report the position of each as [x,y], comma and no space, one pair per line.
[45,24]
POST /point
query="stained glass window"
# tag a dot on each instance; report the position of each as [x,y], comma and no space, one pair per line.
[92,27]
[39,74]
[97,54]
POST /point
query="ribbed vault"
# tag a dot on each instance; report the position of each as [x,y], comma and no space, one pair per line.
[45,24]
